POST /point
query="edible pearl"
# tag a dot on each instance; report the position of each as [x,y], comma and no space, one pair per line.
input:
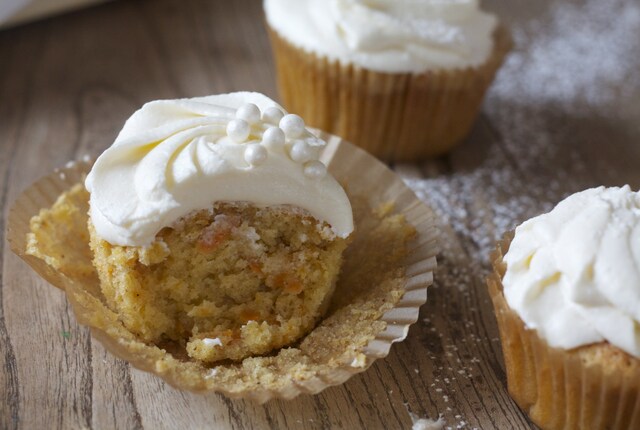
[238,130]
[301,152]
[249,113]
[315,170]
[255,154]
[272,115]
[292,125]
[273,137]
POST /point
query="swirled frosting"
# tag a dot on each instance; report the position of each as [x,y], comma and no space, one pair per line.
[176,156]
[392,36]
[573,274]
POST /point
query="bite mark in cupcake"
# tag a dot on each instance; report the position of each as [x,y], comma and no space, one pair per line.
[198,213]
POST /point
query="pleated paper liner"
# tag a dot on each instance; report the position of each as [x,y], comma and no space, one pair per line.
[394,116]
[381,288]
[592,387]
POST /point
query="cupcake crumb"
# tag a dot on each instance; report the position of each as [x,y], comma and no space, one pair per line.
[212,342]
[359,361]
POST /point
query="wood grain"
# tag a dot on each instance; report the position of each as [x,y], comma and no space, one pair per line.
[68,83]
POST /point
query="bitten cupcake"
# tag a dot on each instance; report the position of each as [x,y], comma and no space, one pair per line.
[402,79]
[214,226]
[566,292]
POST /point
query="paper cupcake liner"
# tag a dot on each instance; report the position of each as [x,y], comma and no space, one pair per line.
[380,313]
[591,387]
[394,116]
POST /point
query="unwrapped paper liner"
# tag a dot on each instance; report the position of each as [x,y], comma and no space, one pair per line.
[365,179]
[591,387]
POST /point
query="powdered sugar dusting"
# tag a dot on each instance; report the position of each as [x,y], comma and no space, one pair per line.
[580,51]
[560,118]
[427,424]
[575,58]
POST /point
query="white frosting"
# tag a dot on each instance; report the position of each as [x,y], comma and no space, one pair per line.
[392,36]
[573,274]
[176,156]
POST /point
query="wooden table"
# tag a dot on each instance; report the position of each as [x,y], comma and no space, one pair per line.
[562,116]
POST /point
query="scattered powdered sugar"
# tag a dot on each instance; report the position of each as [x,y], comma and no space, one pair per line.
[427,424]
[572,79]
[580,50]
[572,56]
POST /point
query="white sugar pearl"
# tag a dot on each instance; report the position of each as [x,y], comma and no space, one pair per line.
[273,137]
[255,154]
[301,152]
[238,130]
[249,113]
[315,170]
[292,125]
[272,115]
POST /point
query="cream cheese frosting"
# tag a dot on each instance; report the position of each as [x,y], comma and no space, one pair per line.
[392,36]
[176,156]
[573,274]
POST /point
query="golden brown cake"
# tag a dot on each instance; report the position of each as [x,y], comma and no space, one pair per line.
[570,343]
[214,225]
[403,80]
[230,282]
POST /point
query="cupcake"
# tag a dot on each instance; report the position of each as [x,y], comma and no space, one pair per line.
[214,226]
[386,268]
[566,291]
[402,79]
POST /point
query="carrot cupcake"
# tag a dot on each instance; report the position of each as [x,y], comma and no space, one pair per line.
[402,79]
[214,225]
[566,291]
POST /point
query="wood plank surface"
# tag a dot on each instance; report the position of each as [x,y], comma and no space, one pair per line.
[562,116]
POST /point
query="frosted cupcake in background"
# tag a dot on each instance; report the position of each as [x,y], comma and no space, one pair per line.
[566,292]
[402,79]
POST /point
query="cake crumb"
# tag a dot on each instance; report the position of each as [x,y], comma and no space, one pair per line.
[359,361]
[212,342]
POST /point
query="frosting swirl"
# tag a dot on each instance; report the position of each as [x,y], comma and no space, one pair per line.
[573,274]
[387,35]
[176,156]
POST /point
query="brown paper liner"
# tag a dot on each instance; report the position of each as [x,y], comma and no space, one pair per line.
[591,387]
[380,311]
[394,116]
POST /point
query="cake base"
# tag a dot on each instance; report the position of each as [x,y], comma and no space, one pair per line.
[228,282]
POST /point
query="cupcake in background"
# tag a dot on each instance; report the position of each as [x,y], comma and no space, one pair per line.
[566,291]
[402,79]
